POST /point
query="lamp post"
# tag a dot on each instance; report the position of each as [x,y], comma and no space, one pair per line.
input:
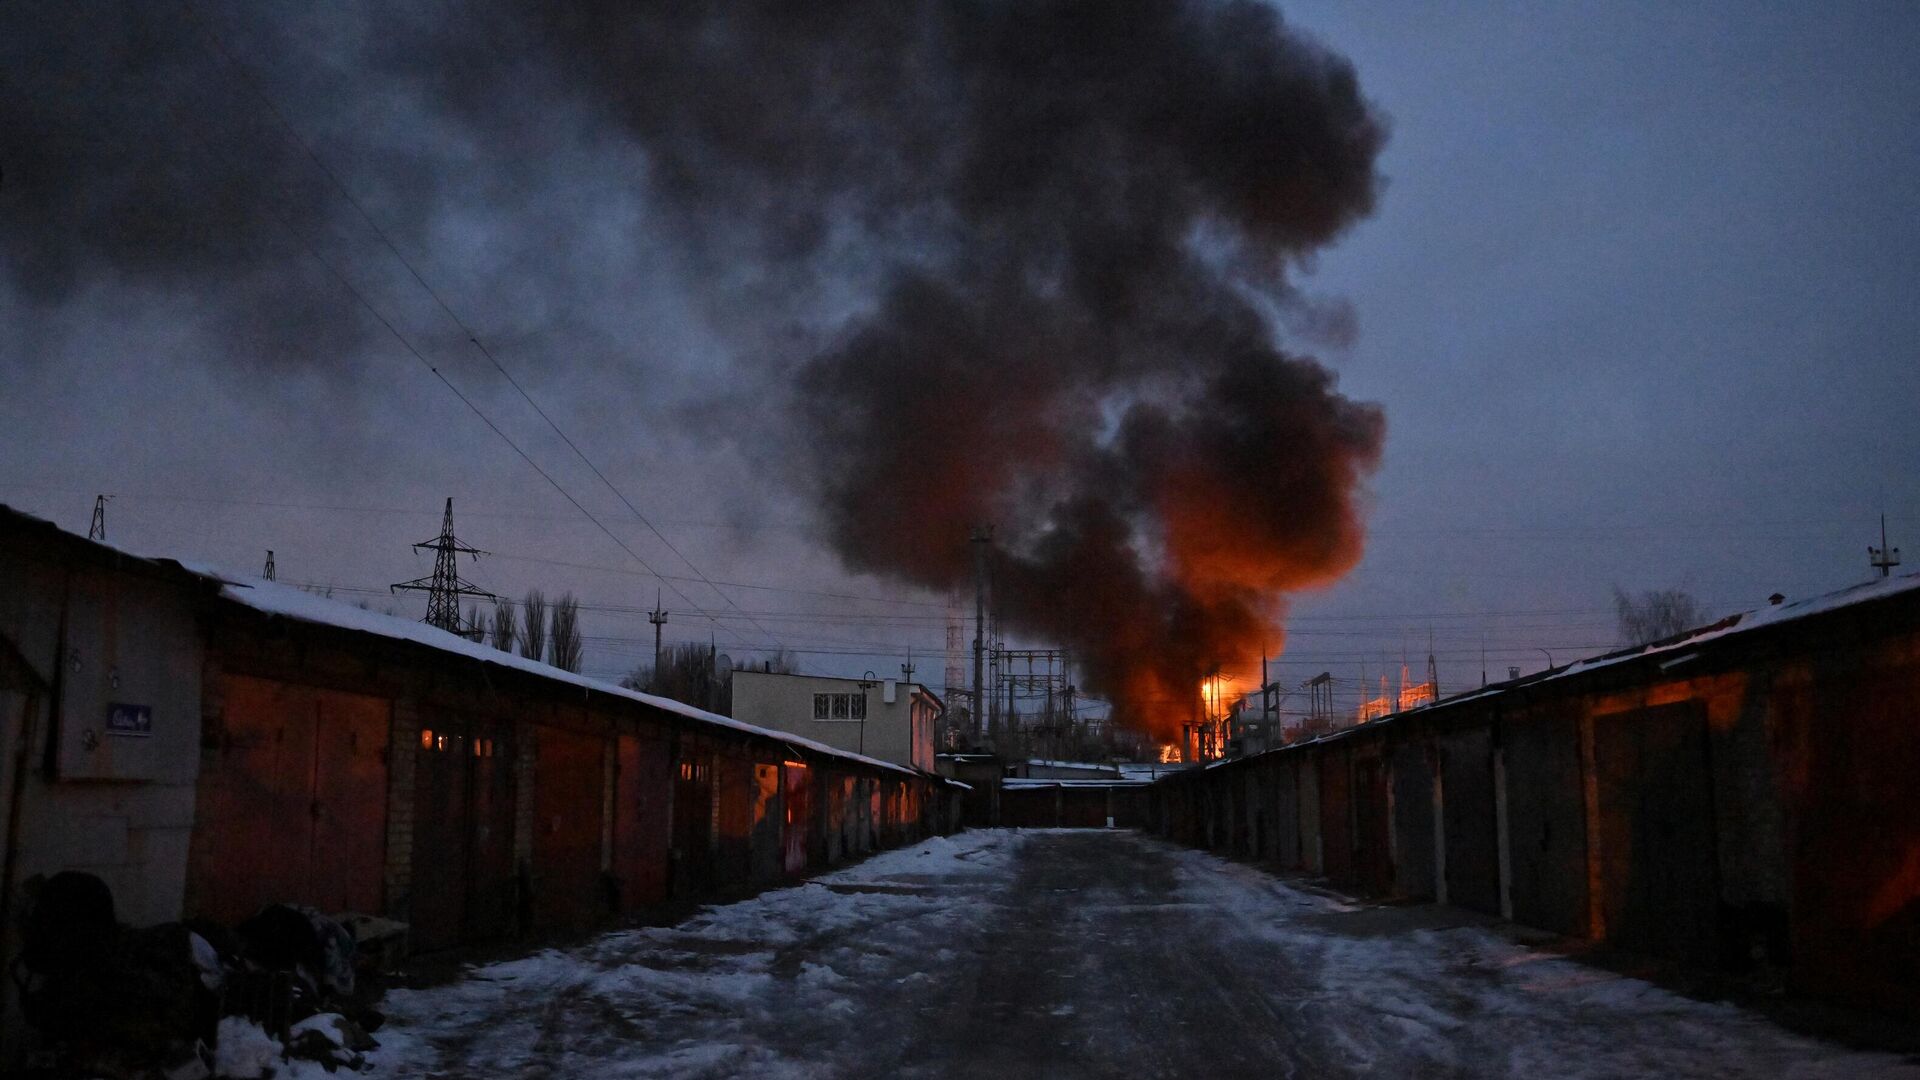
[866,684]
[1550,664]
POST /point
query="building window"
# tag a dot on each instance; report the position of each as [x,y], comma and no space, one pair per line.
[840,706]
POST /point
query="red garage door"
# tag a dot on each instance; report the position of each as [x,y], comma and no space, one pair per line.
[567,785]
[733,866]
[463,887]
[640,859]
[799,817]
[292,802]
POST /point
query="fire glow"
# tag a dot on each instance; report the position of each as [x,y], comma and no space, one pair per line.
[1083,271]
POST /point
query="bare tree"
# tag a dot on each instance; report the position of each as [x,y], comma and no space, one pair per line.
[564,643]
[689,672]
[1655,615]
[533,634]
[506,627]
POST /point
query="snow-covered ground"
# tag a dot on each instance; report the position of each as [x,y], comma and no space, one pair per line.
[1053,952]
[732,989]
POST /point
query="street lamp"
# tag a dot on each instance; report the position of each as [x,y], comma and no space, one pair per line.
[1550,664]
[866,684]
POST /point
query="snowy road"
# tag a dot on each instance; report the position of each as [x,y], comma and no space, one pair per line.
[1072,954]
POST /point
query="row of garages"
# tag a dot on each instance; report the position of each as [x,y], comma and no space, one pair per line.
[1740,797]
[208,747]
[1073,804]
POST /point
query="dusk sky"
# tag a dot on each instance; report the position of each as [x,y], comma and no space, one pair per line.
[1637,302]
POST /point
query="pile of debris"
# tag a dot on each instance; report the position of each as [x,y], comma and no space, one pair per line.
[187,1001]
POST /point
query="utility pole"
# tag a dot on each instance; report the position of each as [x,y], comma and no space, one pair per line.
[1433,669]
[1012,719]
[1882,558]
[267,572]
[445,587]
[658,618]
[1320,703]
[98,530]
[906,669]
[980,538]
[1269,708]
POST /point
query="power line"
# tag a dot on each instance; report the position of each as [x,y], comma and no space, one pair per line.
[293,133]
[415,512]
[392,329]
[529,515]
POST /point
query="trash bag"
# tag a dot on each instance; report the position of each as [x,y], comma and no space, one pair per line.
[284,937]
[103,998]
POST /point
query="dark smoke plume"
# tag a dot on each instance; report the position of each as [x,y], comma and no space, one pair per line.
[1035,255]
[1077,214]
[133,154]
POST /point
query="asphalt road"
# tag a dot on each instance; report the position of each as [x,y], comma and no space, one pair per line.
[1006,954]
[1098,965]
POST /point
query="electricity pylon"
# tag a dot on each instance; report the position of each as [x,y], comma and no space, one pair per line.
[445,588]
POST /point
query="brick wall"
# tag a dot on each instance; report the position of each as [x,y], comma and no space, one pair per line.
[400,771]
[525,754]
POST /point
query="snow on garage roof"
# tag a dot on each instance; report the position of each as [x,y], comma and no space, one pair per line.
[1756,619]
[1678,645]
[285,601]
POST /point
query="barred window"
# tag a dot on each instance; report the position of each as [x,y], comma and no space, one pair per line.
[840,707]
[822,706]
[857,706]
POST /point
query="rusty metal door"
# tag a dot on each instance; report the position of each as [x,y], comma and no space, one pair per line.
[849,816]
[463,799]
[1372,839]
[768,854]
[292,802]
[491,887]
[569,774]
[1661,878]
[799,816]
[734,857]
[347,855]
[1336,823]
[640,838]
[693,826]
[256,770]
[440,836]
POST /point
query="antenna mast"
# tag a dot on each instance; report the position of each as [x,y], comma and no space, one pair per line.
[658,617]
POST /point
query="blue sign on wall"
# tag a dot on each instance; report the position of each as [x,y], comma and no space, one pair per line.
[134,720]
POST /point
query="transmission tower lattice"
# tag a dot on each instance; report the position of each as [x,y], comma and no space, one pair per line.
[445,588]
[1882,558]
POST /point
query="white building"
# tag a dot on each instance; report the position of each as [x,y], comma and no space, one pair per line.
[882,718]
